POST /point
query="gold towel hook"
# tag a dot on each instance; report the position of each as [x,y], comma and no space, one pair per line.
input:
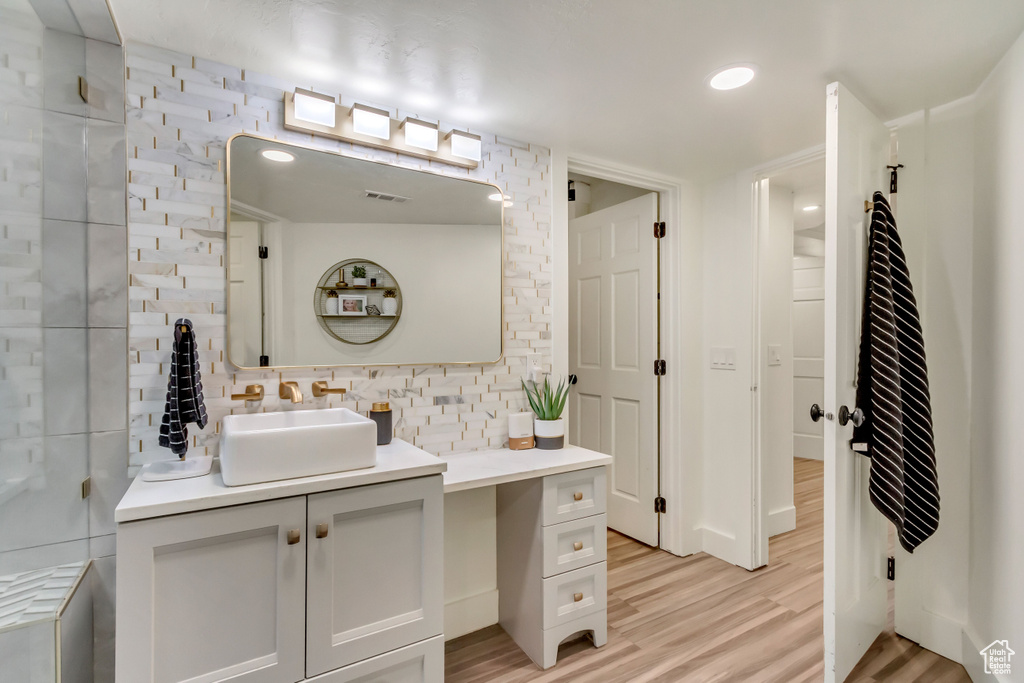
[868,206]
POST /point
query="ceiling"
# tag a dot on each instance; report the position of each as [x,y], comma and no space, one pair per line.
[320,187]
[620,81]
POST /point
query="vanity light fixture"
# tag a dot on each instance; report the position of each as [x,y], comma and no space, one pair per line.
[371,121]
[465,145]
[420,134]
[315,107]
[731,77]
[812,207]
[314,114]
[277,155]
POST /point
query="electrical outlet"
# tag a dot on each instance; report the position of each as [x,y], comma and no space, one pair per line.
[533,363]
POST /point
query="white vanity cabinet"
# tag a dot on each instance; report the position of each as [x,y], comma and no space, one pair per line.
[552,551]
[334,586]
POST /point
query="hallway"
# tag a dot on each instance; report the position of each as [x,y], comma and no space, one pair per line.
[701,619]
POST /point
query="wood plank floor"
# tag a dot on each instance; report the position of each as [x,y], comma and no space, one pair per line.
[698,618]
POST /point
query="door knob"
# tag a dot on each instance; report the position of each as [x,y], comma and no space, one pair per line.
[573,379]
[856,417]
[816,412]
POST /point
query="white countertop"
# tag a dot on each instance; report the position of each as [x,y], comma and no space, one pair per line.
[146,499]
[500,466]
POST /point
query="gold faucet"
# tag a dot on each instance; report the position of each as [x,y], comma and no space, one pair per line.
[253,392]
[291,391]
[320,388]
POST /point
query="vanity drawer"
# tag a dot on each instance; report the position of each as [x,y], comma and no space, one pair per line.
[562,540]
[575,594]
[573,495]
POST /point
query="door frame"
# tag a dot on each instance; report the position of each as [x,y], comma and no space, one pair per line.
[675,466]
[759,213]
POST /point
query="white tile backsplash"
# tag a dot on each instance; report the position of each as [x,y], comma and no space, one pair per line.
[181,112]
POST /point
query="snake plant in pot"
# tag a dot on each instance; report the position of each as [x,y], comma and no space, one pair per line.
[547,404]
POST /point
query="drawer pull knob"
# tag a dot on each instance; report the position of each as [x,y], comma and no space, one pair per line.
[578,495]
[578,545]
[294,536]
[577,597]
[321,530]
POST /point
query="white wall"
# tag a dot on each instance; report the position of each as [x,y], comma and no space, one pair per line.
[728,288]
[775,309]
[933,213]
[996,592]
[450,279]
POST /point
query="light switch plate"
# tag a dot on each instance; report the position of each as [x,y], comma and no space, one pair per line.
[723,358]
[774,354]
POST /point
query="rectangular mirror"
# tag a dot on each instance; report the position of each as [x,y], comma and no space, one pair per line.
[340,261]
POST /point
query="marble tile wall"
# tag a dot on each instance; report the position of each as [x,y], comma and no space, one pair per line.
[63,298]
[181,111]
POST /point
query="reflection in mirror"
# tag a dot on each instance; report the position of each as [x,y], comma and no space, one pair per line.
[318,244]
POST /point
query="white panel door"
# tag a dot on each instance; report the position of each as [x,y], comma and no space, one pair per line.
[612,346]
[375,571]
[808,359]
[855,605]
[211,596]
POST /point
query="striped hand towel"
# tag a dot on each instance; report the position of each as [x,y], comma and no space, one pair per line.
[892,390]
[184,391]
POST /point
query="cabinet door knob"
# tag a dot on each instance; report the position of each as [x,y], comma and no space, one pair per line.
[578,495]
[578,545]
[294,536]
[321,530]
[577,597]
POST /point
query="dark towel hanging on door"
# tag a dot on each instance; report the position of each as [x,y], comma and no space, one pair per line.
[184,391]
[892,389]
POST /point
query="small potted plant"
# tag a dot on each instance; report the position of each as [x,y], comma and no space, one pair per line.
[390,302]
[547,404]
[358,276]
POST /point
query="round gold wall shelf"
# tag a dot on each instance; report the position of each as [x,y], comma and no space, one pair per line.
[352,324]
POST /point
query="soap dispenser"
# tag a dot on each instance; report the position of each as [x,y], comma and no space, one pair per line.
[381,414]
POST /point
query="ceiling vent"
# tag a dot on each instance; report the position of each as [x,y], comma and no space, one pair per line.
[385,197]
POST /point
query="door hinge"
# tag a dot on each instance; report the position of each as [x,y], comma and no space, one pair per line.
[659,368]
[659,504]
[659,229]
[890,569]
[264,252]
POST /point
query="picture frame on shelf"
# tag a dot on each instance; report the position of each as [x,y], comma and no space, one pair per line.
[350,304]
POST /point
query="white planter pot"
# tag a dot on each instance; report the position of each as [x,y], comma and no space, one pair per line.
[390,306]
[359,282]
[550,434]
[332,306]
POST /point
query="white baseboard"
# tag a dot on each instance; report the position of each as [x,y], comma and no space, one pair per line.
[937,633]
[782,520]
[470,614]
[973,661]
[722,546]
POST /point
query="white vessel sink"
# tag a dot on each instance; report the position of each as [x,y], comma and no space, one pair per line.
[271,446]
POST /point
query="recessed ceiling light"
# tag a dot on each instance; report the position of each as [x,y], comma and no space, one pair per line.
[812,207]
[277,155]
[730,77]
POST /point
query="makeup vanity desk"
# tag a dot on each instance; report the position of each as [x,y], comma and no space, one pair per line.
[551,541]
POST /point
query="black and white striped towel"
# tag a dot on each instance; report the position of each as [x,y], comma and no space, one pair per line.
[184,391]
[892,390]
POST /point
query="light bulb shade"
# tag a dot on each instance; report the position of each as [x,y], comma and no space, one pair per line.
[371,121]
[465,145]
[314,107]
[420,134]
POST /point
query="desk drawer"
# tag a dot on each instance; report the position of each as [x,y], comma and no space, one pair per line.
[572,495]
[562,540]
[575,594]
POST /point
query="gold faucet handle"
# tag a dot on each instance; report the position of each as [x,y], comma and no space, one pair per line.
[320,388]
[253,392]
[290,391]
